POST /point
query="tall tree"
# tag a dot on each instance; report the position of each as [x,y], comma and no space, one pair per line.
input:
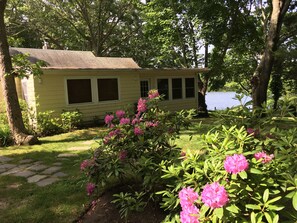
[178,30]
[102,26]
[262,73]
[7,76]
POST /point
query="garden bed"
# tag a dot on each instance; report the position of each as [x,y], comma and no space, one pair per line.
[102,210]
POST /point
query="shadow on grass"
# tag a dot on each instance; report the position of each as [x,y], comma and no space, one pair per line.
[62,201]
[80,135]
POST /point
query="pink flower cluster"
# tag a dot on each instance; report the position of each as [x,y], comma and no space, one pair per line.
[254,132]
[153,94]
[84,165]
[90,188]
[123,155]
[236,163]
[264,157]
[138,131]
[151,124]
[141,106]
[189,213]
[108,119]
[120,114]
[124,121]
[214,195]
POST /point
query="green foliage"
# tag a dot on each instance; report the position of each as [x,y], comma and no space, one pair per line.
[47,124]
[264,192]
[128,202]
[71,120]
[5,136]
[243,115]
[23,67]
[132,152]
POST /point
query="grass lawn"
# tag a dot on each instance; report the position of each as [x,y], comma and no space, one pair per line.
[62,201]
[189,138]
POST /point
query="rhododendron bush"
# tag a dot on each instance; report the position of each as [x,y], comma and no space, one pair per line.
[135,145]
[236,176]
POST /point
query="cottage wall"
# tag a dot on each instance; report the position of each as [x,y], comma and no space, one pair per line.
[51,92]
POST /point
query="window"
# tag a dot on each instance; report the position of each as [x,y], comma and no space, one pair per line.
[144,88]
[190,87]
[163,88]
[79,91]
[177,91]
[108,89]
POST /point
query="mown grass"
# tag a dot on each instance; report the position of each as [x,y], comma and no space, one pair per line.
[60,202]
[189,138]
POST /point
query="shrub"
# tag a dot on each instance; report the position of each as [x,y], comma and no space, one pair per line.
[258,172]
[71,120]
[47,124]
[5,136]
[239,173]
[134,148]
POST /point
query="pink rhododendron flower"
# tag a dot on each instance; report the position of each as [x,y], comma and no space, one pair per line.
[153,94]
[214,195]
[187,197]
[254,132]
[135,121]
[141,106]
[108,119]
[84,164]
[124,121]
[114,132]
[90,188]
[152,124]
[183,154]
[236,163]
[138,131]
[269,135]
[123,154]
[106,139]
[120,114]
[265,158]
[189,214]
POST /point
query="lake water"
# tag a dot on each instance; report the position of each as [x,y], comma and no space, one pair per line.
[223,100]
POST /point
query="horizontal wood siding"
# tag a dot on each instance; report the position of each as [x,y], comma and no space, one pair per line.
[51,92]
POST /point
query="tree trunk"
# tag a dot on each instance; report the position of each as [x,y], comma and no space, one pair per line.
[13,109]
[261,77]
[202,88]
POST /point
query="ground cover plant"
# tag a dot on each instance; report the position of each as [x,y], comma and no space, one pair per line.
[62,201]
[235,173]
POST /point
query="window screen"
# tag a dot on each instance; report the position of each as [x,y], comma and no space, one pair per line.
[79,91]
[190,87]
[108,89]
[177,91]
[144,88]
[163,88]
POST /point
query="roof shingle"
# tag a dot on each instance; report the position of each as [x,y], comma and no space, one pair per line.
[68,59]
